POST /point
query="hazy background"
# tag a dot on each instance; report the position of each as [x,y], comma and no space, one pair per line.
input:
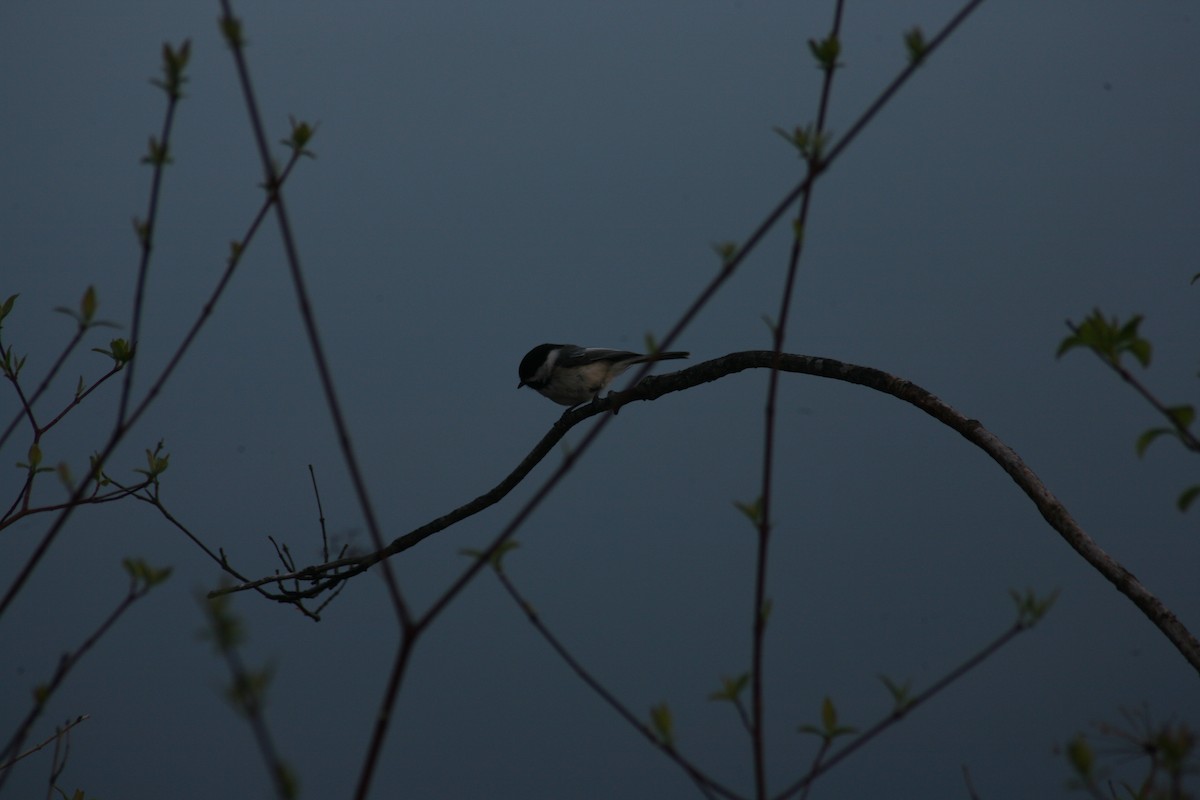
[491,176]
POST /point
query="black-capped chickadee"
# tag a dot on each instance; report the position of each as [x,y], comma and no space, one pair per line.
[571,375]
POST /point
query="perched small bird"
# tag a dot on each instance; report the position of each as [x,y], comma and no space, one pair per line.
[571,375]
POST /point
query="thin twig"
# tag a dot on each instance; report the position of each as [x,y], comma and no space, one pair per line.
[826,743]
[65,665]
[156,501]
[759,614]
[27,405]
[1186,437]
[231,24]
[120,431]
[971,793]
[320,513]
[77,399]
[58,731]
[95,499]
[58,762]
[383,717]
[702,781]
[903,710]
[146,233]
[247,692]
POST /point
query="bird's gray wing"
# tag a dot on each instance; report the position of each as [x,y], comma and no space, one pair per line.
[578,356]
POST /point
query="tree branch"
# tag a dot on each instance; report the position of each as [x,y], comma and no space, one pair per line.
[326,576]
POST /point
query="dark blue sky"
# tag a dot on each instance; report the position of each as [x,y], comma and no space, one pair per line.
[493,176]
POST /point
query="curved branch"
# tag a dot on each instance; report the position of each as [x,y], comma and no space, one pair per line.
[326,576]
[1053,511]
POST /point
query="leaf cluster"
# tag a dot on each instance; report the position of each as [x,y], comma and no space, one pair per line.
[1111,340]
[1167,752]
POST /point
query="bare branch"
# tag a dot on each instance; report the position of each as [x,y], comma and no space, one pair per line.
[326,576]
[58,733]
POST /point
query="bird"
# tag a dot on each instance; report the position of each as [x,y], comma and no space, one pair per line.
[571,375]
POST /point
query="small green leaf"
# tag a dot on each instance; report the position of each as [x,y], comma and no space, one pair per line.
[157,153]
[765,611]
[10,366]
[142,229]
[1141,351]
[650,341]
[87,306]
[301,134]
[143,575]
[1188,496]
[97,471]
[1108,338]
[231,29]
[829,728]
[1149,436]
[122,352]
[119,351]
[1030,607]
[914,43]
[1081,757]
[248,689]
[156,463]
[497,557]
[7,306]
[505,548]
[224,627]
[901,693]
[35,455]
[1182,416]
[663,725]
[173,62]
[807,140]
[731,688]
[1175,744]
[752,510]
[826,52]
[64,476]
[828,713]
[726,250]
[288,782]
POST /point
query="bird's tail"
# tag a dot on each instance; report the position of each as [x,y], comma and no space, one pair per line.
[664,356]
